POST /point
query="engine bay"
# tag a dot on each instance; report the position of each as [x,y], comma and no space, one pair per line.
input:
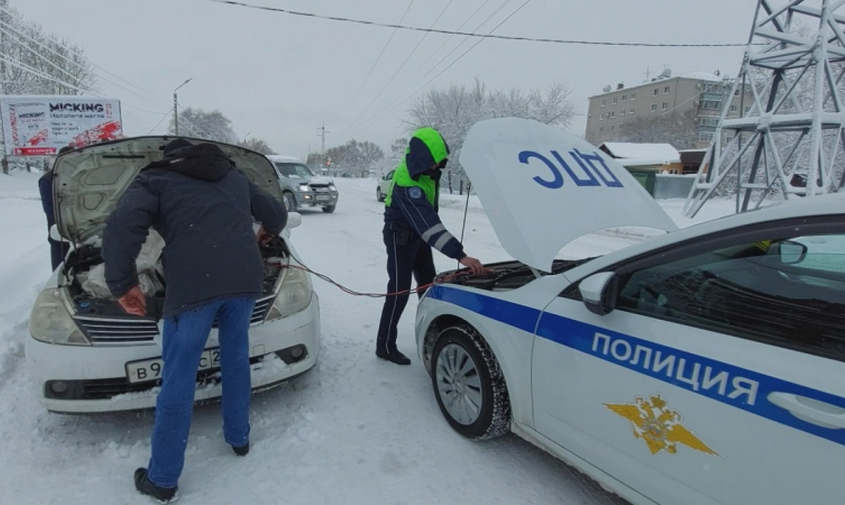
[82,276]
[505,275]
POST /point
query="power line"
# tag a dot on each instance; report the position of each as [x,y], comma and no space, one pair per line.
[383,49]
[456,60]
[479,35]
[407,58]
[78,64]
[34,71]
[39,55]
[401,97]
[436,51]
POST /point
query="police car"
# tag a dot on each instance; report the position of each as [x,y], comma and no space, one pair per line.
[700,366]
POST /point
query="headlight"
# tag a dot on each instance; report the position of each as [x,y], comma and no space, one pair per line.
[332,187]
[304,187]
[51,322]
[294,295]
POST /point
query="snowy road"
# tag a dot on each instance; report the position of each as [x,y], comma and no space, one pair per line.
[355,430]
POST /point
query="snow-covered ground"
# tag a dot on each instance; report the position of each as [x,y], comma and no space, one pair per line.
[355,430]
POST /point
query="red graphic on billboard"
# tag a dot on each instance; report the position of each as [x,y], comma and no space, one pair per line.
[110,130]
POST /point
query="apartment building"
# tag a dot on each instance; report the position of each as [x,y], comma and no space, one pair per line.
[701,95]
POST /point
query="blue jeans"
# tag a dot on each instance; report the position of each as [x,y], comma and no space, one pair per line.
[183,340]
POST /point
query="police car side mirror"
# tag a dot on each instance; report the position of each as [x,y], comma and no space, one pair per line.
[599,292]
[790,252]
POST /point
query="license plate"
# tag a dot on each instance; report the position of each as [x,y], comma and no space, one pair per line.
[323,197]
[150,369]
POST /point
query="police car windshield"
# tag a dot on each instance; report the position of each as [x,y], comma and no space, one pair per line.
[294,170]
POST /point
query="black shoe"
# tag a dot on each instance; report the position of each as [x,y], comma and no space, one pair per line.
[145,486]
[394,357]
[241,451]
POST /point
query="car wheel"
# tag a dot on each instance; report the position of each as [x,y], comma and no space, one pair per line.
[290,201]
[328,209]
[379,196]
[469,385]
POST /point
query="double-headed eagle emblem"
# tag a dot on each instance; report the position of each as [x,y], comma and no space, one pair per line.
[659,427]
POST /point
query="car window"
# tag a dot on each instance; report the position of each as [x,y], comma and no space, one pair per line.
[787,292]
[389,175]
[294,170]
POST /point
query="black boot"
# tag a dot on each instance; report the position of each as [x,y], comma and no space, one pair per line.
[145,486]
[394,357]
[241,451]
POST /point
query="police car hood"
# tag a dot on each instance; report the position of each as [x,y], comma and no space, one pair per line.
[88,182]
[542,188]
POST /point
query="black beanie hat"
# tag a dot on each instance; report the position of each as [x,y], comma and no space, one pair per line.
[175,145]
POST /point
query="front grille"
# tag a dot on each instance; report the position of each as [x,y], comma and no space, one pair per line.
[320,188]
[117,330]
[106,330]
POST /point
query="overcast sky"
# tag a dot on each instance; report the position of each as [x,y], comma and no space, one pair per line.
[279,77]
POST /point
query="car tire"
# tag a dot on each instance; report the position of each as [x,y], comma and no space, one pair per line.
[328,209]
[379,196]
[290,201]
[465,373]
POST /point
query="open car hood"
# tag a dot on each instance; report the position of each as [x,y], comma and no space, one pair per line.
[542,188]
[88,182]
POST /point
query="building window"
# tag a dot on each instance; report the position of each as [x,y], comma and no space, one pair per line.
[736,92]
[621,112]
[656,91]
[631,112]
[711,105]
[653,107]
[633,96]
[733,108]
[603,103]
[624,97]
[612,114]
[666,90]
[665,106]
[747,108]
[614,100]
[601,116]
[706,136]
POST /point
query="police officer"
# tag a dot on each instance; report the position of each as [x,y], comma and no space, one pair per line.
[411,228]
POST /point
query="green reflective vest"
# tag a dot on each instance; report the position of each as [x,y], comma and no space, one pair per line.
[434,141]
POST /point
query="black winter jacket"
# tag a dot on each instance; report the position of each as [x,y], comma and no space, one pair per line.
[203,208]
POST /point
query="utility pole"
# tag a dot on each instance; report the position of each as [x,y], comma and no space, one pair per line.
[322,135]
[176,107]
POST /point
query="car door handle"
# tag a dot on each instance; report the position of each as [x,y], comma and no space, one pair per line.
[810,410]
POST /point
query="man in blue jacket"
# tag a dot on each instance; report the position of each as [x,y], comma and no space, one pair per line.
[411,228]
[58,250]
[204,208]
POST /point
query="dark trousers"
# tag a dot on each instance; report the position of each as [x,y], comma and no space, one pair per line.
[58,251]
[407,254]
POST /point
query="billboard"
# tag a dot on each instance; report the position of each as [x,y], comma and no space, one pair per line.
[41,125]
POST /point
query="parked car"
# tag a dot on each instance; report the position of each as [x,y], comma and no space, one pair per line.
[699,366]
[383,186]
[301,188]
[85,354]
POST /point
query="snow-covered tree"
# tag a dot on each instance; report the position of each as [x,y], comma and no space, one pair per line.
[33,62]
[211,125]
[257,145]
[452,111]
[356,155]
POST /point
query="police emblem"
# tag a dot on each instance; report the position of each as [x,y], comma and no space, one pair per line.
[659,427]
[415,193]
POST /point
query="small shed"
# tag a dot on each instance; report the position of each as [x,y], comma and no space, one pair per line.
[662,158]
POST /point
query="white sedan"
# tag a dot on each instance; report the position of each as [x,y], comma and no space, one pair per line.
[701,366]
[85,354]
